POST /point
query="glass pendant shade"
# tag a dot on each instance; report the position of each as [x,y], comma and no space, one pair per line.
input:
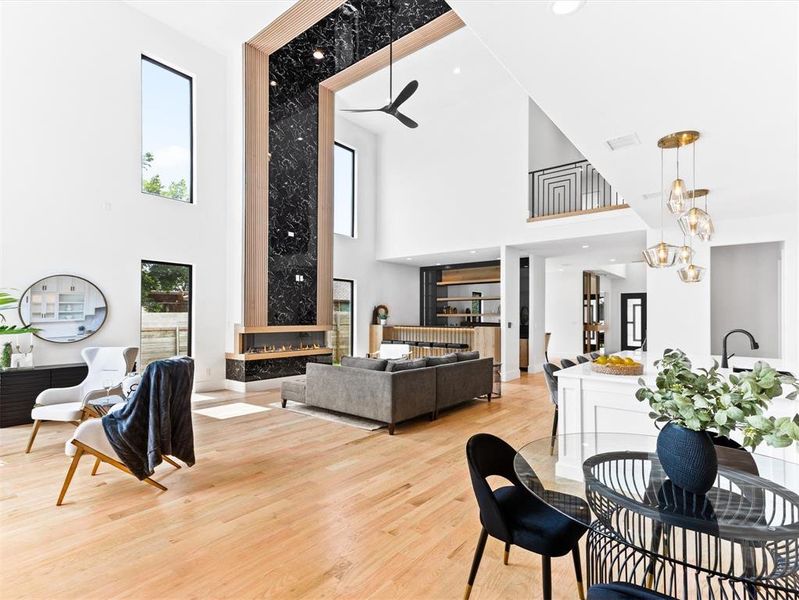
[660,255]
[691,273]
[685,254]
[678,197]
[696,223]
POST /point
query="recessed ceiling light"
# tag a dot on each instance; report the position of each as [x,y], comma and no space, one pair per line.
[612,260]
[273,83]
[318,54]
[438,264]
[586,246]
[299,139]
[561,270]
[472,251]
[456,71]
[566,7]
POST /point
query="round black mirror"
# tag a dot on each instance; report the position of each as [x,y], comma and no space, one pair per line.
[65,308]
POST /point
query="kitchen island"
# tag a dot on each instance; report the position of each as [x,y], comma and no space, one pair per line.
[595,402]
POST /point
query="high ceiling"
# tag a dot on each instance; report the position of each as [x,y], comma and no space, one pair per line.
[220,24]
[728,69]
[448,71]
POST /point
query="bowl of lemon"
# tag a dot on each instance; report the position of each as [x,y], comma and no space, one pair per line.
[617,365]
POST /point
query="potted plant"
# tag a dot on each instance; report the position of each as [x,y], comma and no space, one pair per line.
[7,302]
[381,312]
[692,404]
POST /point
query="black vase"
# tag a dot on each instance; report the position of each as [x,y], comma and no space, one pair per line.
[688,457]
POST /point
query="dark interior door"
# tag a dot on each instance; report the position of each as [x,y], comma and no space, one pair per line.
[633,321]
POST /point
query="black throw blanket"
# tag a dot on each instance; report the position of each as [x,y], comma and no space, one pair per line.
[156,420]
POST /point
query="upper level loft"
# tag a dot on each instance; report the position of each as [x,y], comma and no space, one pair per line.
[571,189]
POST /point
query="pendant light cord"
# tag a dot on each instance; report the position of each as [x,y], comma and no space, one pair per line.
[390,51]
[662,195]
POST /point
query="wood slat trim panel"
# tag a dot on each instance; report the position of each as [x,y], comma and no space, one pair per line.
[416,40]
[283,328]
[256,184]
[324,251]
[578,212]
[273,355]
[292,23]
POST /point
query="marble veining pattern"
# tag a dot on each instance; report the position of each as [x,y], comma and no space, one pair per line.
[258,370]
[353,31]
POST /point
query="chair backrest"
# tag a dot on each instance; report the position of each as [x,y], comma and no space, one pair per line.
[107,365]
[390,351]
[582,359]
[552,381]
[594,355]
[488,455]
[566,363]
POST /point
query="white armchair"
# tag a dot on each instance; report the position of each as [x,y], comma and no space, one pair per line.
[106,366]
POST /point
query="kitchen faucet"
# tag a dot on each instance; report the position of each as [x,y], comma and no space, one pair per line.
[752,344]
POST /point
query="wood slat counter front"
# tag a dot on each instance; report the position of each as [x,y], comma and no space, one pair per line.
[484,339]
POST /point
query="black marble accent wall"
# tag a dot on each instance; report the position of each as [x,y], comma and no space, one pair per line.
[259,370]
[355,30]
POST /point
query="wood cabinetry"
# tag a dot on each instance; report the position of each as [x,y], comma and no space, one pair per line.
[20,387]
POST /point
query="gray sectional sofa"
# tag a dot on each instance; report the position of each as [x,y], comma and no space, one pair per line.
[366,389]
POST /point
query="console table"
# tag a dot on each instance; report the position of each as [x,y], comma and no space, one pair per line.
[20,387]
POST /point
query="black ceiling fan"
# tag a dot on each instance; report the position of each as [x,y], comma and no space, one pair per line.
[392,108]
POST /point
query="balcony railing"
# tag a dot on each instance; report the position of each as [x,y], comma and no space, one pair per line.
[570,189]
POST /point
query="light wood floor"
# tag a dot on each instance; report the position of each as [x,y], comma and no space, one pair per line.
[279,505]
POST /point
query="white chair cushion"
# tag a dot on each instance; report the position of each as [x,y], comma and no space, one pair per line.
[92,434]
[66,411]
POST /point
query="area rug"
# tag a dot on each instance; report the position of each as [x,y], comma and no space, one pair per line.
[230,411]
[321,413]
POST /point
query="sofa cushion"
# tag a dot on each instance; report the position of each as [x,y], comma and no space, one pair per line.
[357,362]
[473,355]
[405,365]
[434,361]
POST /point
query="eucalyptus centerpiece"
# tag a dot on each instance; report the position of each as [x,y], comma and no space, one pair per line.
[8,302]
[697,405]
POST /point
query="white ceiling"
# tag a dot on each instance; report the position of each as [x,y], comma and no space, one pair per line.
[220,24]
[728,69]
[439,86]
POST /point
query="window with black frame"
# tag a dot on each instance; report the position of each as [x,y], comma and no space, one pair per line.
[166,132]
[343,310]
[343,190]
[166,290]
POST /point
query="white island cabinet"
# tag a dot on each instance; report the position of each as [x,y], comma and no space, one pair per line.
[592,402]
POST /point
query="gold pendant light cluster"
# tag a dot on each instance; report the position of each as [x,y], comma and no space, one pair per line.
[694,222]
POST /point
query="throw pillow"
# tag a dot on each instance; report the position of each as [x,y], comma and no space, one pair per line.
[434,361]
[373,364]
[406,365]
[473,355]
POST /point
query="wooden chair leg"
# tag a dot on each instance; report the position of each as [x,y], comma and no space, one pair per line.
[96,466]
[34,431]
[170,461]
[478,554]
[554,432]
[391,429]
[70,472]
[578,572]
[154,483]
[117,464]
[507,553]
[546,576]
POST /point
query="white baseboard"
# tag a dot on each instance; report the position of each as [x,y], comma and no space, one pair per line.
[511,375]
[259,386]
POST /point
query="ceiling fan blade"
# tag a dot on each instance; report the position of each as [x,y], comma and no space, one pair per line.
[362,110]
[406,93]
[407,121]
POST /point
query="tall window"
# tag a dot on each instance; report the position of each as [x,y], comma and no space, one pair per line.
[344,190]
[343,301]
[165,311]
[166,132]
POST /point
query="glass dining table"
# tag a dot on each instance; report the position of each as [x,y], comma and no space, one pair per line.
[740,540]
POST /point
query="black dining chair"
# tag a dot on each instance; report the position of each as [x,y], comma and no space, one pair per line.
[582,359]
[594,355]
[565,363]
[623,591]
[513,515]
[552,386]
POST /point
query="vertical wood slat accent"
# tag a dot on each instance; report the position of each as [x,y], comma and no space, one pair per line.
[292,23]
[324,248]
[256,185]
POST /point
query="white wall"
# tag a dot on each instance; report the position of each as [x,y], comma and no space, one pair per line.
[376,282]
[71,168]
[548,147]
[509,274]
[564,312]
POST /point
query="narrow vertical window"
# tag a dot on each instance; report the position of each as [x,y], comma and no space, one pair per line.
[166,135]
[344,190]
[343,300]
[165,311]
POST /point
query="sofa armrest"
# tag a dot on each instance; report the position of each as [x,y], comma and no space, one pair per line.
[461,381]
[413,393]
